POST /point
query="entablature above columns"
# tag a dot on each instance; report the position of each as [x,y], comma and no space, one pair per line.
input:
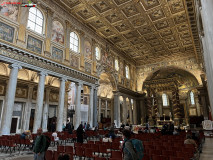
[12,54]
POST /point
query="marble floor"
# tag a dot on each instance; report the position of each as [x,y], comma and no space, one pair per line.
[207,150]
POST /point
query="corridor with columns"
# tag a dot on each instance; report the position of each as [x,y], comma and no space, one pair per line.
[29,105]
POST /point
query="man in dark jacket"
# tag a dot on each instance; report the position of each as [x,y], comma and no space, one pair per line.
[39,146]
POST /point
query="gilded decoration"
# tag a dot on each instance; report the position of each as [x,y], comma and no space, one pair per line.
[128,24]
[88,67]
[21,92]
[2,89]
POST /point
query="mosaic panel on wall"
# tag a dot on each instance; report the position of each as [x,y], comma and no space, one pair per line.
[57,32]
[9,10]
[6,32]
[88,50]
[74,61]
[87,67]
[57,54]
[34,44]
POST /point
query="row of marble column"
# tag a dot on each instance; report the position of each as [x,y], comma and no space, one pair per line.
[117,111]
[40,110]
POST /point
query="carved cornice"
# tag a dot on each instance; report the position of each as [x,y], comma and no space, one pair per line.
[194,28]
[129,92]
[11,54]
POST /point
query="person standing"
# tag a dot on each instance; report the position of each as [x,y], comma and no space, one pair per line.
[80,134]
[39,146]
[128,148]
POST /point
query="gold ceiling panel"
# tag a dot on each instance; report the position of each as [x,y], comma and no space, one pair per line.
[148,30]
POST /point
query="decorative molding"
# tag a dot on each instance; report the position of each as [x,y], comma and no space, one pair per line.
[11,54]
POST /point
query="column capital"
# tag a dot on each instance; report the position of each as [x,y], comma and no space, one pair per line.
[116,93]
[14,65]
[91,87]
[30,85]
[42,73]
[79,84]
[63,79]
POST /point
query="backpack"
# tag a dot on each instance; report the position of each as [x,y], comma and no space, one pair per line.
[138,147]
[48,141]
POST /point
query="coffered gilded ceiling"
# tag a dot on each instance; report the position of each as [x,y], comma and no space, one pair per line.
[147,30]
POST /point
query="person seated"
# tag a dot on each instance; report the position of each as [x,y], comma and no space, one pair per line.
[106,138]
[55,135]
[122,125]
[112,133]
[23,135]
[189,140]
[176,132]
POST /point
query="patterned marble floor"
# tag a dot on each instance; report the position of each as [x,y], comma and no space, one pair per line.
[207,150]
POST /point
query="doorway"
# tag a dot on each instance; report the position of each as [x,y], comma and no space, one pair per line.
[14,125]
[32,114]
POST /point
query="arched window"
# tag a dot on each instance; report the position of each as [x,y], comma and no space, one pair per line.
[192,98]
[127,71]
[165,100]
[35,20]
[74,42]
[97,53]
[116,65]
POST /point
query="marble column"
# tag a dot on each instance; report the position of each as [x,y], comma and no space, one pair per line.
[106,108]
[95,107]
[78,105]
[99,109]
[39,102]
[61,105]
[134,112]
[91,106]
[9,100]
[65,108]
[130,111]
[207,40]
[28,108]
[124,110]
[45,110]
[116,109]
